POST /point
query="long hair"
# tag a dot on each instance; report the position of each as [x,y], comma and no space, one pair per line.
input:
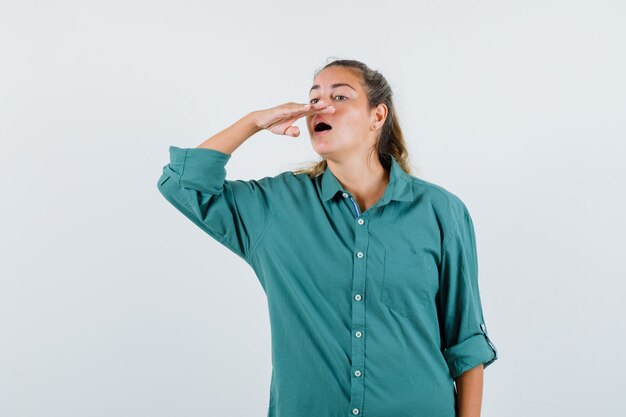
[390,140]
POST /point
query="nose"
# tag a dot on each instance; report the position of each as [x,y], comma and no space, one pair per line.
[318,103]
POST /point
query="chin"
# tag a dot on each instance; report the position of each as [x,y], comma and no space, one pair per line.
[328,145]
[322,147]
[327,152]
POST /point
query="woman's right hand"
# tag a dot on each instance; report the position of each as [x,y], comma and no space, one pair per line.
[279,119]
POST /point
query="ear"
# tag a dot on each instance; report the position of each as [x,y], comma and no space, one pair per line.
[378,116]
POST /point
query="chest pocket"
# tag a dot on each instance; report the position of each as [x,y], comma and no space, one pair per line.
[410,281]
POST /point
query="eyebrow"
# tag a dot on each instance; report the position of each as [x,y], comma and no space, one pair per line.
[332,86]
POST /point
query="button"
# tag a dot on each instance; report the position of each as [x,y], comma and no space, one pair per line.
[360,221]
[357,373]
[358,334]
[355,411]
[344,195]
[357,297]
[359,254]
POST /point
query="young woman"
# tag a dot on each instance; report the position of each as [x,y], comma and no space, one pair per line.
[370,273]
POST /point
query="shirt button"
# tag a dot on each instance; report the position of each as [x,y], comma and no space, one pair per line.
[358,334]
[359,254]
[345,195]
[357,373]
[357,297]
[355,411]
[360,221]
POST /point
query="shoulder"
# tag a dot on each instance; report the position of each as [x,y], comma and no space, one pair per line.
[268,181]
[282,184]
[446,203]
[288,179]
[449,209]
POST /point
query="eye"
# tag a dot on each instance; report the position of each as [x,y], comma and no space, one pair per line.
[338,95]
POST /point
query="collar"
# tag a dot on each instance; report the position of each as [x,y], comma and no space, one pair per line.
[399,186]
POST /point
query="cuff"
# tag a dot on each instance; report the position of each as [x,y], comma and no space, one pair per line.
[200,169]
[470,353]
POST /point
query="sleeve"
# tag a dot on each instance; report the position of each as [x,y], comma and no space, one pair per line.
[234,212]
[463,330]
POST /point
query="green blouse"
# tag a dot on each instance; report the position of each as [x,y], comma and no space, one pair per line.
[372,313]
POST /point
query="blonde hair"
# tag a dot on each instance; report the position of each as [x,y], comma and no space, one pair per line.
[391,140]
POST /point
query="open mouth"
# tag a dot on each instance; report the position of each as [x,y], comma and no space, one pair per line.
[322,127]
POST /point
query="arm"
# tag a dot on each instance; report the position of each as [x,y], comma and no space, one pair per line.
[469,388]
[234,212]
[467,348]
[233,136]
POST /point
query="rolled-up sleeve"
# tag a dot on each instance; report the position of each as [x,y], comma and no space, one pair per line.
[464,333]
[234,212]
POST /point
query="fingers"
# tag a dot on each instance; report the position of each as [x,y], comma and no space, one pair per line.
[329,109]
[292,131]
[293,111]
[319,107]
[291,115]
[324,110]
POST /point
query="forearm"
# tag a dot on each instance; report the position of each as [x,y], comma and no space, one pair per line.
[469,387]
[233,136]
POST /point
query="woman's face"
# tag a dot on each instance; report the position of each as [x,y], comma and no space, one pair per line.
[341,88]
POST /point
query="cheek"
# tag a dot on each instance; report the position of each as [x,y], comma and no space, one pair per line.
[354,120]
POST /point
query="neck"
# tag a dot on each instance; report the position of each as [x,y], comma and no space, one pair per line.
[367,182]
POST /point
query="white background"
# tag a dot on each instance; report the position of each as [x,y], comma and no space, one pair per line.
[114,304]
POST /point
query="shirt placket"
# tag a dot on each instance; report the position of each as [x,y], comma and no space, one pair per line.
[357,371]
